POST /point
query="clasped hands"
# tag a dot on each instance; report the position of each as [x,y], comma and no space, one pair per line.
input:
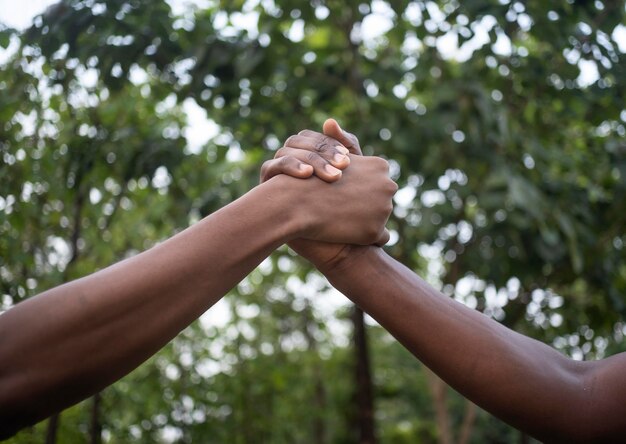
[341,209]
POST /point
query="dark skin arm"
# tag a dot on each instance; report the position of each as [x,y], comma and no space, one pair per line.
[71,341]
[520,380]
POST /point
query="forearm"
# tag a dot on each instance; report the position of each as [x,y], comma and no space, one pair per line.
[521,380]
[69,342]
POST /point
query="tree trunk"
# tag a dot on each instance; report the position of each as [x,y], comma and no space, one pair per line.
[364,387]
[51,431]
[468,422]
[319,425]
[438,390]
[319,397]
[95,431]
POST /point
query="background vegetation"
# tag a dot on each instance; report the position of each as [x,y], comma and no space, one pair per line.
[505,124]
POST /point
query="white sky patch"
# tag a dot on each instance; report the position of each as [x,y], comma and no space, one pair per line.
[27,121]
[20,16]
[235,154]
[248,21]
[88,77]
[60,252]
[448,45]
[404,196]
[200,129]
[588,72]
[180,7]
[413,13]
[436,15]
[296,32]
[220,315]
[161,178]
[378,22]
[95,196]
[6,54]
[137,75]
[435,269]
[619,36]
[502,46]
[430,198]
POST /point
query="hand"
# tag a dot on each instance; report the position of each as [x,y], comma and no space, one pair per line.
[308,153]
[318,150]
[324,255]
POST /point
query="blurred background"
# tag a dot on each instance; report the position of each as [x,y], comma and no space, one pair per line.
[125,121]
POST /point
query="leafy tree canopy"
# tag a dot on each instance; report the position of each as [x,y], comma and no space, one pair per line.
[504,121]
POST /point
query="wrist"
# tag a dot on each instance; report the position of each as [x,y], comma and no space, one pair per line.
[285,192]
[350,258]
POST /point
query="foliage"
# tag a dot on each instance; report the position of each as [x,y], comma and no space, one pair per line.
[510,158]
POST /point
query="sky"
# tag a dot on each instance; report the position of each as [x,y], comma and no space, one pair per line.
[20,14]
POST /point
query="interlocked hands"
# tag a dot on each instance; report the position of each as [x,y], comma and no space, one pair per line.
[358,185]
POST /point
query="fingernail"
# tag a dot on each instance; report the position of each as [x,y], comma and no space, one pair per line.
[332,170]
[340,158]
[302,167]
[342,149]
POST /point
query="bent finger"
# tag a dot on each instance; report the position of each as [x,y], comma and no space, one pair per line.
[288,165]
[331,128]
[326,146]
[335,155]
[323,168]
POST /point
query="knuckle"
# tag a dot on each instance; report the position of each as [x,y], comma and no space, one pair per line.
[265,167]
[322,144]
[281,152]
[284,161]
[332,141]
[383,164]
[352,138]
[312,157]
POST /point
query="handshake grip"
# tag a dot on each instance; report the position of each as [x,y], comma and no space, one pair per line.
[344,199]
[334,217]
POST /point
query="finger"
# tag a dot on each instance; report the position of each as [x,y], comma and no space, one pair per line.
[331,128]
[328,149]
[288,165]
[321,166]
[310,133]
[383,239]
[312,141]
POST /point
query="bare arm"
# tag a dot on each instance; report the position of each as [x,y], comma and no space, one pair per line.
[520,380]
[69,342]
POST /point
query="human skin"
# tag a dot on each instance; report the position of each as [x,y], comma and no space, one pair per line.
[318,150]
[69,342]
[518,379]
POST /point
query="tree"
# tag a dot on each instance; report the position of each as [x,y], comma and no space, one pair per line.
[509,152]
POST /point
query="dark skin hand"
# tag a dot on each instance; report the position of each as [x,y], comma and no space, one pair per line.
[318,150]
[69,342]
[518,379]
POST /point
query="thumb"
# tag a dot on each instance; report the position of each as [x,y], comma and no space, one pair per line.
[331,128]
